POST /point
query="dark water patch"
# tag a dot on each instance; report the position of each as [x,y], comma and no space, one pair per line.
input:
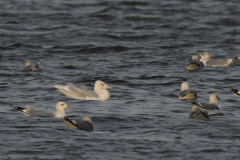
[134,3]
[142,18]
[106,49]
[116,37]
[49,28]
[11,22]
[225,21]
[103,16]
[69,67]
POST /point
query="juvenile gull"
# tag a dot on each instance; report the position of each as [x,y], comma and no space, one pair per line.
[207,61]
[29,67]
[198,112]
[100,91]
[85,125]
[212,107]
[194,64]
[59,113]
[186,93]
[235,91]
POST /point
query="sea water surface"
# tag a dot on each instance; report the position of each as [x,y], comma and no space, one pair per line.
[139,48]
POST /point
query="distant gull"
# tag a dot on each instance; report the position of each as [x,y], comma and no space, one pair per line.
[0,57]
[59,113]
[85,125]
[29,67]
[207,61]
[194,64]
[235,91]
[212,107]
[186,93]
[100,91]
[198,112]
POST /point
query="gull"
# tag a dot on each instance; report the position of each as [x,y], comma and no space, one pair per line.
[85,125]
[198,112]
[194,64]
[235,91]
[100,91]
[212,107]
[186,93]
[0,57]
[59,113]
[207,61]
[29,67]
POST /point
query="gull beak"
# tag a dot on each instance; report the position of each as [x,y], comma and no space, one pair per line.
[68,107]
[109,87]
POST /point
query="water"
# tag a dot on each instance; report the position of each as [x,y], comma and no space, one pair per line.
[137,47]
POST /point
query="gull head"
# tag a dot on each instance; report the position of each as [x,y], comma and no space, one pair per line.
[184,86]
[195,57]
[99,85]
[87,118]
[205,55]
[213,98]
[28,63]
[61,106]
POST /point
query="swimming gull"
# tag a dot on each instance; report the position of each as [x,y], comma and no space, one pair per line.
[29,67]
[235,91]
[85,125]
[59,113]
[0,57]
[212,107]
[207,61]
[194,64]
[186,93]
[198,112]
[100,91]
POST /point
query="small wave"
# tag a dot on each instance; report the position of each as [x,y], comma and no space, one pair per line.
[20,45]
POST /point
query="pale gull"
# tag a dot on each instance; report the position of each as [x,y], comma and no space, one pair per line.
[198,112]
[194,64]
[212,107]
[235,91]
[59,113]
[29,67]
[100,91]
[186,93]
[207,61]
[85,125]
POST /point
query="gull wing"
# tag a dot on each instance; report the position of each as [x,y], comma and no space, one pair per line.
[74,92]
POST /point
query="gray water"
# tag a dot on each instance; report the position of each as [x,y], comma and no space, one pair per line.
[139,48]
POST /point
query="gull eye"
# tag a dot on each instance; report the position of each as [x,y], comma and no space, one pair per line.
[62,104]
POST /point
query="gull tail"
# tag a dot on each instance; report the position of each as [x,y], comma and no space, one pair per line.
[20,109]
[234,91]
[70,123]
[236,58]
[17,107]
[36,67]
